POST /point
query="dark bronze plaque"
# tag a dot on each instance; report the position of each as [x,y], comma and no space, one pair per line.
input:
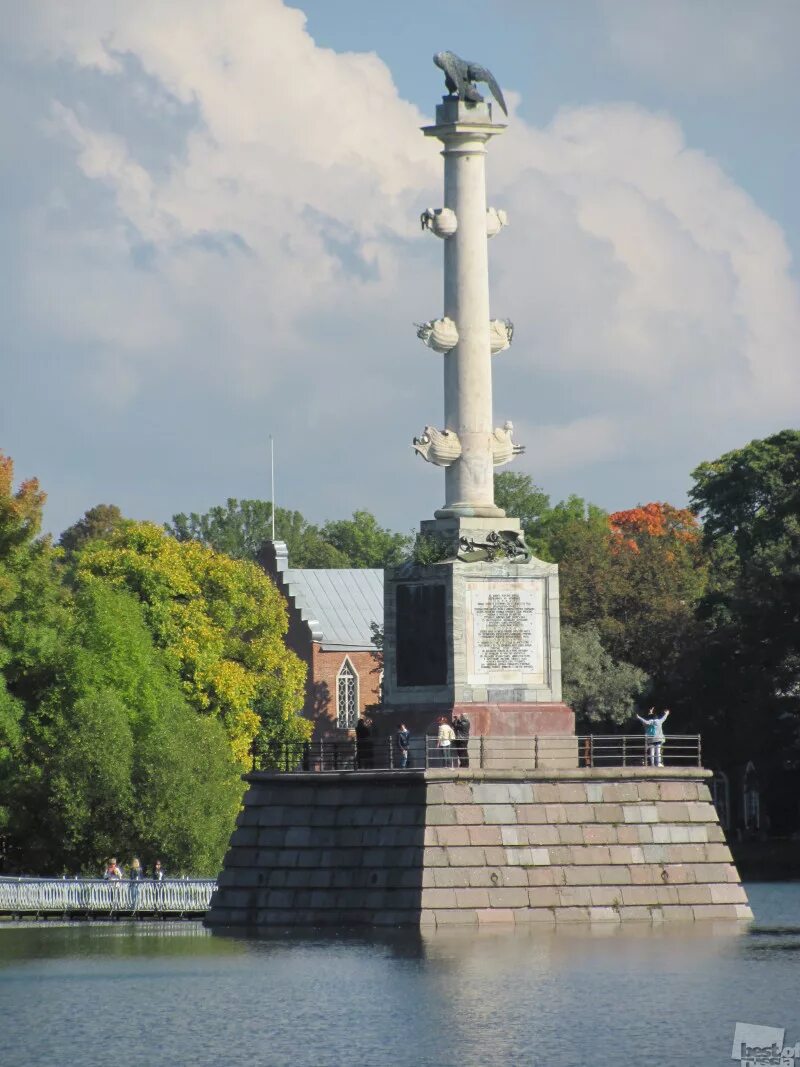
[421,635]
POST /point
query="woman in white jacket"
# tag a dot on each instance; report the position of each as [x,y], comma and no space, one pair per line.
[444,741]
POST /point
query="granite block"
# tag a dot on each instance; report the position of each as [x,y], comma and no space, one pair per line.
[604,915]
[598,834]
[607,813]
[440,815]
[469,815]
[472,898]
[455,917]
[581,813]
[512,897]
[467,856]
[491,916]
[499,813]
[454,835]
[544,897]
[579,875]
[532,813]
[727,894]
[534,915]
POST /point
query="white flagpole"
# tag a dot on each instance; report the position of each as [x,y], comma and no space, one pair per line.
[272,476]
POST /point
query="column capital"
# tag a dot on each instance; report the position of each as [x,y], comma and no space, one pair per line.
[458,120]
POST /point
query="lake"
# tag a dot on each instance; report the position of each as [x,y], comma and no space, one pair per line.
[174,994]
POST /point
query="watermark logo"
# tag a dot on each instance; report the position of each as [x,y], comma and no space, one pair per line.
[756,1046]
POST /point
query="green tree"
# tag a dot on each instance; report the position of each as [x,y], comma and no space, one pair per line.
[221,623]
[597,687]
[99,749]
[114,754]
[366,544]
[747,670]
[241,527]
[97,524]
[520,498]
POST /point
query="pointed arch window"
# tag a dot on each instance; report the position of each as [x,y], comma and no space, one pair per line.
[346,696]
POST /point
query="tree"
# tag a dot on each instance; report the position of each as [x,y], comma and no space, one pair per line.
[221,623]
[364,543]
[747,673]
[20,511]
[97,524]
[520,498]
[662,572]
[597,687]
[113,754]
[99,748]
[241,527]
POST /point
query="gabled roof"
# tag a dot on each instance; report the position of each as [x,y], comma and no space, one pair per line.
[337,605]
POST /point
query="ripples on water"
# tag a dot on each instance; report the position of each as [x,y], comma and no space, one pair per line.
[173,994]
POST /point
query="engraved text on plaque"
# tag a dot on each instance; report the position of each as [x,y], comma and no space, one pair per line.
[505,637]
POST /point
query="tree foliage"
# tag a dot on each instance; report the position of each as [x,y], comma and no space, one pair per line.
[364,543]
[597,687]
[97,524]
[113,752]
[221,624]
[101,748]
[746,669]
[240,529]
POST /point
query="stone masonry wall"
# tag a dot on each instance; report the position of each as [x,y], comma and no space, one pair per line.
[588,845]
[325,849]
[470,846]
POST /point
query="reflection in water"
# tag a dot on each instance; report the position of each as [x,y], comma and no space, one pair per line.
[604,995]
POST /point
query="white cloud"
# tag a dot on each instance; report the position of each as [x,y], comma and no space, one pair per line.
[274,249]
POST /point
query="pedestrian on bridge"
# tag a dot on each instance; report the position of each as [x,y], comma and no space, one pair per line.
[113,873]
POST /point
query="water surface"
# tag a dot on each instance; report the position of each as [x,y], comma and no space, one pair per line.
[92,994]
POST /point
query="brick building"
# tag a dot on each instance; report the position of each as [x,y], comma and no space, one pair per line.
[330,612]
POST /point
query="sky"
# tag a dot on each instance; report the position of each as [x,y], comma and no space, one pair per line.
[209,235]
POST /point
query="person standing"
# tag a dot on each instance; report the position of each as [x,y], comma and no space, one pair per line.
[654,736]
[402,739]
[444,740]
[363,743]
[136,874]
[158,872]
[461,727]
[113,872]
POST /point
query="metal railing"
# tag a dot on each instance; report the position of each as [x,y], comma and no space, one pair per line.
[34,896]
[486,752]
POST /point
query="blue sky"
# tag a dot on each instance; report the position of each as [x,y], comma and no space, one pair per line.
[209,235]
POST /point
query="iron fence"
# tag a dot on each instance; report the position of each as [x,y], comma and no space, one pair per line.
[485,752]
[34,896]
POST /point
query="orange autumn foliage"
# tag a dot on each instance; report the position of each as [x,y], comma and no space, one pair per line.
[20,512]
[630,528]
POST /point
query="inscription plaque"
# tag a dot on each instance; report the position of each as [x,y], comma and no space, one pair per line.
[505,638]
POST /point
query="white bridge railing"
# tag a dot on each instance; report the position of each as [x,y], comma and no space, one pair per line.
[25,896]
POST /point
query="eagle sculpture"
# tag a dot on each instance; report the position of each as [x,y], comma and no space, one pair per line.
[460,77]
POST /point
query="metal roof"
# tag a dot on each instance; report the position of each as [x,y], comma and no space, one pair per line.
[337,605]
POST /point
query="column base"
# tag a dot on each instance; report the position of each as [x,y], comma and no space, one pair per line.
[469,511]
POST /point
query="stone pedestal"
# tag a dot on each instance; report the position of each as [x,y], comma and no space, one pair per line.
[481,638]
[470,847]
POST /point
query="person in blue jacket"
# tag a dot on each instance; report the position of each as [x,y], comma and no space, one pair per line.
[654,736]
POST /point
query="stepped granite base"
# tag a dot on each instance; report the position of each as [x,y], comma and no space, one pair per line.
[468,847]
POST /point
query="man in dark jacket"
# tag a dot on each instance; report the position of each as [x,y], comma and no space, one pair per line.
[461,730]
[402,738]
